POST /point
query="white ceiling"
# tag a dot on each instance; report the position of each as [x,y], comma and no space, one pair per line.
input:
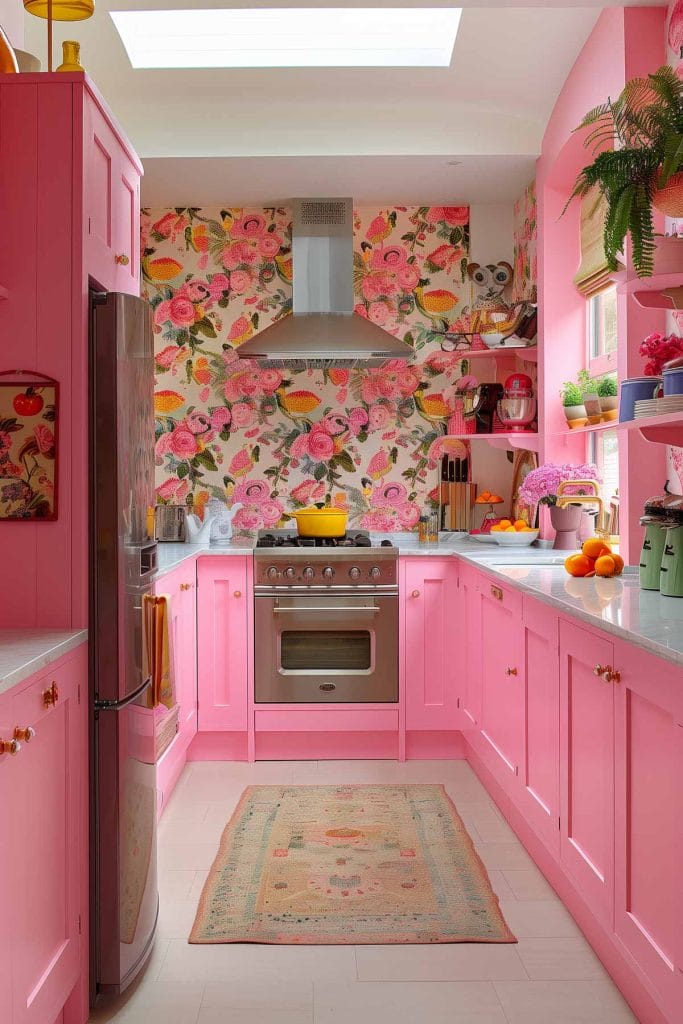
[203,134]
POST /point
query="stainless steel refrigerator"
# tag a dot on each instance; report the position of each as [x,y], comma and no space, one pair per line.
[124,895]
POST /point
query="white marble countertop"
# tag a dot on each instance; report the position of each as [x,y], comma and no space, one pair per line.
[24,652]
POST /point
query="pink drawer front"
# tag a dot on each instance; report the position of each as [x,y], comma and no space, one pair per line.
[326,719]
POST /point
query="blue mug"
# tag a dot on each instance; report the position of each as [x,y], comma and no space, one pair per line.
[673,381]
[633,390]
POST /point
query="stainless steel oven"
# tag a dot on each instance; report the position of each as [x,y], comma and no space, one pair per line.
[326,626]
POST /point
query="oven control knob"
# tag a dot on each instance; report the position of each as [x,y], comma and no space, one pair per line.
[309,572]
[354,572]
[328,572]
[289,573]
[272,573]
[375,572]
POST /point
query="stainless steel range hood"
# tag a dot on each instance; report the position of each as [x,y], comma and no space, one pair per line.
[323,331]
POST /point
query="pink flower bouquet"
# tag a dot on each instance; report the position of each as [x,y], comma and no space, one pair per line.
[659,349]
[540,485]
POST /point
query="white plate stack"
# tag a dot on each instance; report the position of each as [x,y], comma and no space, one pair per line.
[659,406]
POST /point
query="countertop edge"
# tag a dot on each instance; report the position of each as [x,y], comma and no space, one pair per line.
[37,661]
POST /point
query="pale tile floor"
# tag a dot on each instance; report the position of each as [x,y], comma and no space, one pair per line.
[550,977]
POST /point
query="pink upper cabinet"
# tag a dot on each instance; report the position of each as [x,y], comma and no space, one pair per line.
[431,666]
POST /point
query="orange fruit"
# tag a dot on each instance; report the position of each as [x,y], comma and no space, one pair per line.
[579,565]
[519,524]
[618,564]
[496,528]
[510,529]
[505,523]
[594,547]
[605,566]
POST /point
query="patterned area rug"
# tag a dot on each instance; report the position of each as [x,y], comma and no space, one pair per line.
[347,864]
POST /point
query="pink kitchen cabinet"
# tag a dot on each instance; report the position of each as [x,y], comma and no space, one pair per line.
[43,855]
[112,207]
[222,643]
[468,655]
[587,765]
[649,819]
[538,795]
[430,644]
[502,667]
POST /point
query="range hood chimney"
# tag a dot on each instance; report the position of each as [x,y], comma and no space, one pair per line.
[323,331]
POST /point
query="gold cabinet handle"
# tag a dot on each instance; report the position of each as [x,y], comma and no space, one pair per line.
[599,670]
[510,671]
[415,593]
[238,593]
[26,734]
[497,593]
[186,586]
[51,695]
[121,259]
[612,675]
[10,747]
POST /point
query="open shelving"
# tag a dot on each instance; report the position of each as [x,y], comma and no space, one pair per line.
[658,429]
[529,354]
[589,428]
[508,439]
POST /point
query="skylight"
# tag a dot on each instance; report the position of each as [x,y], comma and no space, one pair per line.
[290,37]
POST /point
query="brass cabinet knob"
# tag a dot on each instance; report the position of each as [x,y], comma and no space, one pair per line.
[612,675]
[10,747]
[122,260]
[510,671]
[415,593]
[238,593]
[51,695]
[599,670]
[26,734]
[186,586]
[497,593]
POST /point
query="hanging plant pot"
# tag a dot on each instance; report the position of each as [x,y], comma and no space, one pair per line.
[669,200]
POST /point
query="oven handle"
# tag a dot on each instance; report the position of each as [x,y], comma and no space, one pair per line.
[318,608]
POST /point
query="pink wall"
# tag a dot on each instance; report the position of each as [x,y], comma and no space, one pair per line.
[12,20]
[624,43]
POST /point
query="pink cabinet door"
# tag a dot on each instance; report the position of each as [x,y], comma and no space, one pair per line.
[502,702]
[222,643]
[469,648]
[431,636]
[539,793]
[186,653]
[649,819]
[587,766]
[126,203]
[48,861]
[101,156]
[8,767]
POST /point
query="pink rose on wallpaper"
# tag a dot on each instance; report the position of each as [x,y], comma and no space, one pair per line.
[218,285]
[238,252]
[271,512]
[220,418]
[408,277]
[247,519]
[358,419]
[251,492]
[335,424]
[195,291]
[320,444]
[379,519]
[162,447]
[378,284]
[391,494]
[240,281]
[183,443]
[198,422]
[252,225]
[270,381]
[391,257]
[243,415]
[269,246]
[408,515]
[455,216]
[378,417]
[178,310]
[241,463]
[308,492]
[378,312]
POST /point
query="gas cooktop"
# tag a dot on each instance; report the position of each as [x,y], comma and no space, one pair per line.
[285,539]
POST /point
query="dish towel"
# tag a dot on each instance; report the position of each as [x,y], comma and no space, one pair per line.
[158,648]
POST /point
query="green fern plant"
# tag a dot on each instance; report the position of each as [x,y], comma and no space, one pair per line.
[643,129]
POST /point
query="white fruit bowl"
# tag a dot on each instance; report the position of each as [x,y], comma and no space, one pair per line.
[515,540]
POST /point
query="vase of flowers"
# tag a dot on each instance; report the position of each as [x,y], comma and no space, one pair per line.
[659,349]
[540,487]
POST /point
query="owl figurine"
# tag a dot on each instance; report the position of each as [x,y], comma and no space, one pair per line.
[491,314]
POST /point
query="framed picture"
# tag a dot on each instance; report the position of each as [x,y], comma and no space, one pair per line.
[28,446]
[524,461]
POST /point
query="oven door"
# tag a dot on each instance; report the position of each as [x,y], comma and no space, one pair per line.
[317,648]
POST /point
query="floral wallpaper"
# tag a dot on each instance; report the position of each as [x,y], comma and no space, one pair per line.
[525,233]
[364,440]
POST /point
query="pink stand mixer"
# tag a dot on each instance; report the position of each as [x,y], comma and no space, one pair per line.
[517,407]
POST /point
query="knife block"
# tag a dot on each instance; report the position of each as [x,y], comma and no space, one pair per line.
[461,498]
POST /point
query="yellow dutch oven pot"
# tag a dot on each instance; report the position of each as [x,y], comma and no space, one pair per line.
[320,522]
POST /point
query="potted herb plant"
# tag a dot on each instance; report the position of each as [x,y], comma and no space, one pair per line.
[591,398]
[608,391]
[638,139]
[572,400]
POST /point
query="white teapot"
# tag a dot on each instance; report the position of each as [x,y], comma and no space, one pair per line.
[196,531]
[222,516]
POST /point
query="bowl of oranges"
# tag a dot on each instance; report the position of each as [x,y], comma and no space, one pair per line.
[513,534]
[595,558]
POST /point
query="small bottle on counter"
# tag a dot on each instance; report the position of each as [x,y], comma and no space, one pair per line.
[433,527]
[423,530]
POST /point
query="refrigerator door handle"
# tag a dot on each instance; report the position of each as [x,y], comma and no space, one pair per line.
[116,705]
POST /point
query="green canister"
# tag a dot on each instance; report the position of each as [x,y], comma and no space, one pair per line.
[652,551]
[671,574]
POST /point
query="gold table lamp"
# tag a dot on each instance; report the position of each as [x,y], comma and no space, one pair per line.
[59,10]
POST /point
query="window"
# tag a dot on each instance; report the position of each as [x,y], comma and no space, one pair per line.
[603,450]
[602,331]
